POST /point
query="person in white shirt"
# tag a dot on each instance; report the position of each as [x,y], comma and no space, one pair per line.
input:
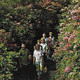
[44,48]
[38,60]
[43,45]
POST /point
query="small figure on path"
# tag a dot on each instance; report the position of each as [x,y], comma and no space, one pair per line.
[51,43]
[38,42]
[44,48]
[44,37]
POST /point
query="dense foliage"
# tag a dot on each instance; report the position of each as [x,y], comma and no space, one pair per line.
[7,63]
[67,49]
[24,21]
[27,23]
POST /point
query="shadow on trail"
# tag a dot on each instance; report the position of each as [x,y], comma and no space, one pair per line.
[51,71]
[49,75]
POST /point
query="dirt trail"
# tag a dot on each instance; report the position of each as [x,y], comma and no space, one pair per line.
[50,75]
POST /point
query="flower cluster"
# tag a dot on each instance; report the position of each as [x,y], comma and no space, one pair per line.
[68,37]
[76,14]
[50,5]
[67,69]
[65,38]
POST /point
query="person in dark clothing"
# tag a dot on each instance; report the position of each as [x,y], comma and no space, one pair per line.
[23,61]
[51,43]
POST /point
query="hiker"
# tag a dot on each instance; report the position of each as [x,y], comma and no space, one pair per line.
[37,60]
[23,61]
[51,43]
[44,37]
[44,45]
[38,42]
[44,50]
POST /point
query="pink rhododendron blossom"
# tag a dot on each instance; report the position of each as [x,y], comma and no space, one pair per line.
[78,7]
[75,23]
[65,46]
[38,21]
[75,11]
[65,38]
[72,36]
[62,43]
[69,39]
[74,17]
[67,33]
[67,69]
[68,44]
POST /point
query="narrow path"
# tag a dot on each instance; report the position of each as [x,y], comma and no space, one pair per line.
[50,75]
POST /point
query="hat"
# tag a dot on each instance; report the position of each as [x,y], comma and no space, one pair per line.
[23,45]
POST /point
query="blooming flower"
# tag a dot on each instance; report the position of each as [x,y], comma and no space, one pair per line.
[65,38]
[62,43]
[72,36]
[67,33]
[67,69]
[74,11]
[68,44]
[74,17]
[69,39]
[38,21]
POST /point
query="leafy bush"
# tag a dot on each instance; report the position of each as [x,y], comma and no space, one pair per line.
[7,63]
[67,51]
[27,23]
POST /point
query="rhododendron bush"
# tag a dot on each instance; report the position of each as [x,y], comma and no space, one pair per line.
[7,63]
[26,23]
[67,48]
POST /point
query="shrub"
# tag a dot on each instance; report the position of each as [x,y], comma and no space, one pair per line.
[67,50]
